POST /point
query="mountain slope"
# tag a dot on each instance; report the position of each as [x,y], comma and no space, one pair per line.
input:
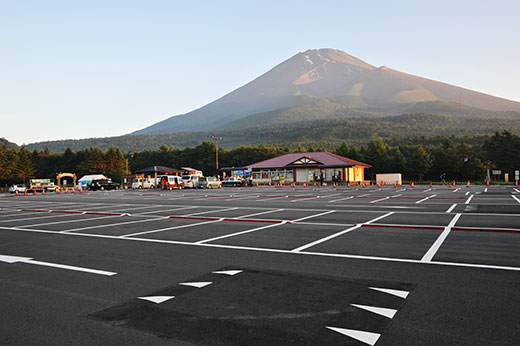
[340,78]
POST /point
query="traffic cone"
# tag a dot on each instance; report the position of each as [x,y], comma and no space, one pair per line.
[449,185]
[431,185]
[453,183]
[72,190]
[25,192]
[66,190]
[348,185]
[35,192]
[412,184]
[395,185]
[17,193]
[43,192]
[487,182]
[468,184]
[516,183]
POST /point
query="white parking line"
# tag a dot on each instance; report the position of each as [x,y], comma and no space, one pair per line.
[341,199]
[469,199]
[71,221]
[437,244]
[40,217]
[516,198]
[260,213]
[378,200]
[425,199]
[332,236]
[450,209]
[315,215]
[239,233]
[268,250]
[211,211]
[169,228]
[115,224]
[457,189]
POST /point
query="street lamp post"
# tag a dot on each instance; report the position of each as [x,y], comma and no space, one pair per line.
[216,139]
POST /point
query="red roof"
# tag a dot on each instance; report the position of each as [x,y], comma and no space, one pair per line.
[321,158]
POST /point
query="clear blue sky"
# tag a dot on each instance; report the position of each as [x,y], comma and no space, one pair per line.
[79,69]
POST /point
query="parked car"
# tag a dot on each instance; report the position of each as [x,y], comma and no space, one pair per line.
[209,183]
[169,182]
[190,181]
[21,188]
[140,183]
[103,184]
[51,187]
[232,181]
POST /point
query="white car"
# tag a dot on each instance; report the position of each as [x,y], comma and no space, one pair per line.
[20,188]
[190,181]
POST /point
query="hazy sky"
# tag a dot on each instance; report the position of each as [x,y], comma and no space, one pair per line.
[79,69]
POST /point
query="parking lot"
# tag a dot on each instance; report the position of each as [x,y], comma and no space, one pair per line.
[262,266]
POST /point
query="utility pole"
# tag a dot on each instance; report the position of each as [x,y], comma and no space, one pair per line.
[216,139]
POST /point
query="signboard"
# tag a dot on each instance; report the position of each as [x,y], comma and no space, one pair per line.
[40,181]
[496,172]
[238,172]
[517,175]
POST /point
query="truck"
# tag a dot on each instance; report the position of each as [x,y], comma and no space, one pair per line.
[40,185]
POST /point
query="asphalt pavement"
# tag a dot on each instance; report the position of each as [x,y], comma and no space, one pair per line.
[262,266]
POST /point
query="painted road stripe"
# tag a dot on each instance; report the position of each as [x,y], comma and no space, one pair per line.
[457,189]
[450,209]
[332,236]
[378,200]
[469,199]
[516,198]
[115,224]
[166,229]
[437,244]
[238,233]
[388,313]
[425,199]
[268,250]
[313,216]
[157,299]
[341,199]
[260,213]
[397,293]
[228,272]
[71,221]
[211,211]
[359,335]
[28,260]
[198,284]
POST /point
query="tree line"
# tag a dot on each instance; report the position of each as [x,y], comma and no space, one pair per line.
[450,157]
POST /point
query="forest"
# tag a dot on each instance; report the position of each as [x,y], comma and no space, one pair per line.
[418,159]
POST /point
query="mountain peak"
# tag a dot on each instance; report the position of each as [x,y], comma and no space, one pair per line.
[329,55]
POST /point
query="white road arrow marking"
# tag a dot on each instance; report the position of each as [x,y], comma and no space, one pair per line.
[196,284]
[389,313]
[228,272]
[397,293]
[365,337]
[28,260]
[157,299]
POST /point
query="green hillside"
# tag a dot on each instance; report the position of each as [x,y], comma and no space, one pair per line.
[333,131]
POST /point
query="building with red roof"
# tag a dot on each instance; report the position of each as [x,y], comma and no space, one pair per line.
[309,167]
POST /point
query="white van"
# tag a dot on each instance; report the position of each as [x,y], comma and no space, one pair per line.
[169,182]
[140,183]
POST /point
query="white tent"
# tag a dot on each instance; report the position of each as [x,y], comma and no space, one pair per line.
[87,179]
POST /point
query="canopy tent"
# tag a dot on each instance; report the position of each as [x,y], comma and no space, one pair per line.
[87,179]
[157,170]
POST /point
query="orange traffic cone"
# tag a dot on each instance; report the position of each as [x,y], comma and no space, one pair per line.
[17,192]
[468,184]
[25,193]
[412,184]
[487,182]
[43,192]
[453,183]
[348,185]
[431,185]
[449,185]
[395,185]
[516,183]
[35,192]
